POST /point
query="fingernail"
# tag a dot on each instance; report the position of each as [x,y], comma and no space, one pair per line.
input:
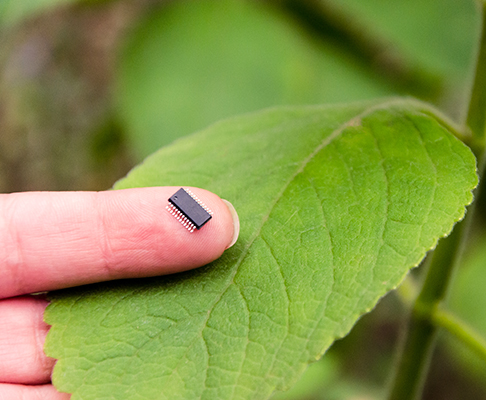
[236,222]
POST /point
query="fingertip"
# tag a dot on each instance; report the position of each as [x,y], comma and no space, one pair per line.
[172,245]
[221,231]
[236,223]
[62,239]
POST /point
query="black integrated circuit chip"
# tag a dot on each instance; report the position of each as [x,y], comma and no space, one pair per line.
[188,209]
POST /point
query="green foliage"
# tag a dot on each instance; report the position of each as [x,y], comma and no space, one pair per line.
[194,62]
[337,203]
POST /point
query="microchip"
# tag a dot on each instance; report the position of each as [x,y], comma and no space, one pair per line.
[188,209]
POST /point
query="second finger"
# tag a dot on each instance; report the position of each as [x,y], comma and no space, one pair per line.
[22,339]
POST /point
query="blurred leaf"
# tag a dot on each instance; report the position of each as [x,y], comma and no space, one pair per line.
[195,62]
[337,203]
[440,35]
[469,302]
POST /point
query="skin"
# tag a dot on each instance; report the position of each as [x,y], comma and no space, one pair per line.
[54,240]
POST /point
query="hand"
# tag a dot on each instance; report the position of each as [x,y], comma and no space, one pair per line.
[54,240]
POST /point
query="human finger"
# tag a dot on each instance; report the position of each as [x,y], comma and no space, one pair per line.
[53,240]
[22,338]
[30,392]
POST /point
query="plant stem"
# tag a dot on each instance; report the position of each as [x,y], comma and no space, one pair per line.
[461,330]
[476,117]
[325,21]
[419,341]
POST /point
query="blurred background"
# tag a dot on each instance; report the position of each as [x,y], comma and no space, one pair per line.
[89,88]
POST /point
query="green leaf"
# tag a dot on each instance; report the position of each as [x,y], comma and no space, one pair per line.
[195,62]
[336,203]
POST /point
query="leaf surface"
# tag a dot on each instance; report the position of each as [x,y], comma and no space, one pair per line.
[336,204]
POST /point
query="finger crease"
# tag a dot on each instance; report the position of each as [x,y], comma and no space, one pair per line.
[11,257]
[104,242]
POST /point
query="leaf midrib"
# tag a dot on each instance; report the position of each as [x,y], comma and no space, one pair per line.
[325,142]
